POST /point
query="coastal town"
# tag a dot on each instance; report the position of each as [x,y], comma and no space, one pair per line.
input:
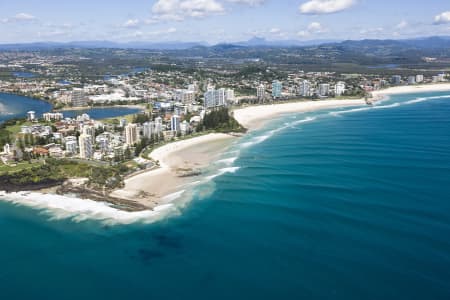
[166,111]
[168,105]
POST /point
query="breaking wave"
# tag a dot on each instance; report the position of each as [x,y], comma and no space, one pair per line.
[78,210]
[395,104]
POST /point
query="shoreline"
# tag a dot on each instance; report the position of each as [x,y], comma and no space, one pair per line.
[160,187]
[411,89]
[180,164]
[254,117]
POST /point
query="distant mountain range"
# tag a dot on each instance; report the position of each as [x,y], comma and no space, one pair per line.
[102,44]
[256,42]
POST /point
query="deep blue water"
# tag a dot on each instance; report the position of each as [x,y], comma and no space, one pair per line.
[347,206]
[387,66]
[13,106]
[23,75]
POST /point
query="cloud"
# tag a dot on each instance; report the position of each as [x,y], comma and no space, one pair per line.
[178,10]
[248,2]
[443,18]
[24,17]
[402,25]
[275,30]
[132,23]
[313,28]
[318,7]
[372,31]
[20,17]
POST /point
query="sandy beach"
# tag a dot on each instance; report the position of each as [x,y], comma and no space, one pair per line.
[254,117]
[410,89]
[157,187]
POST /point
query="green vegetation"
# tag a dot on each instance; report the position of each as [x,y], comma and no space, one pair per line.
[55,171]
[141,118]
[8,129]
[220,121]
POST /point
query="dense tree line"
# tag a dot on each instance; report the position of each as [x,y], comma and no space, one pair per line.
[141,118]
[220,120]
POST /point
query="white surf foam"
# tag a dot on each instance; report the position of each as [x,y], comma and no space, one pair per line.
[227,161]
[395,104]
[173,196]
[78,210]
[221,172]
[267,135]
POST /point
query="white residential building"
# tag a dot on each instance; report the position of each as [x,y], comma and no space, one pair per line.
[71,147]
[175,123]
[86,146]
[305,88]
[78,98]
[89,130]
[131,134]
[216,98]
[277,88]
[229,96]
[149,129]
[184,127]
[53,117]
[324,89]
[339,89]
[185,96]
[31,115]
[419,78]
[261,92]
[158,125]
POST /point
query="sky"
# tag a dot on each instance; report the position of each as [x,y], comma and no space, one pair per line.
[220,21]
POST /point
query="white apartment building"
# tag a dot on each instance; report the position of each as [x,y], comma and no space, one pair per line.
[149,129]
[78,98]
[277,88]
[339,89]
[305,88]
[261,92]
[131,134]
[175,123]
[53,117]
[218,98]
[324,89]
[86,146]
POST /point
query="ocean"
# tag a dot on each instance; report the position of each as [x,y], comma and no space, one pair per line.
[349,203]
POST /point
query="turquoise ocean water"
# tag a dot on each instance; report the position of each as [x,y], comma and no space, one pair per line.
[352,203]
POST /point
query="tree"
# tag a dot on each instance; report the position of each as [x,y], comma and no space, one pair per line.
[128,154]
